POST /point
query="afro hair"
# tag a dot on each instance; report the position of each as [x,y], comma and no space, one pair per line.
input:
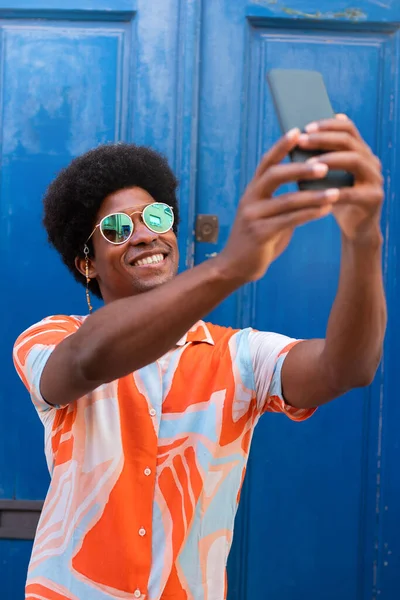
[73,199]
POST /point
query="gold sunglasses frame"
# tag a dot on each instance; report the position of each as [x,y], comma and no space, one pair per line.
[136,212]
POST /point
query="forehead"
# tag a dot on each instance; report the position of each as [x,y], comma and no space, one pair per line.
[124,199]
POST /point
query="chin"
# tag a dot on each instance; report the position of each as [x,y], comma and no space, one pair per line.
[145,285]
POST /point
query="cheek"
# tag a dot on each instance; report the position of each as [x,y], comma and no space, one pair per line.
[107,258]
[171,240]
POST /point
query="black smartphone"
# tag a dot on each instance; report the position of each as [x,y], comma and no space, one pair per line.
[300,97]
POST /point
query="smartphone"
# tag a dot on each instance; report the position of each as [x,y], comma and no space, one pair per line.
[300,97]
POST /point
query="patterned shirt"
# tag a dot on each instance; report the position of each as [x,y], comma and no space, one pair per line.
[146,471]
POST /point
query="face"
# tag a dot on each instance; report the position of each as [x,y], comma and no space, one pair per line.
[121,270]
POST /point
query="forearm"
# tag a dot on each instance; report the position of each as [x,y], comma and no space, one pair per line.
[357,322]
[128,334]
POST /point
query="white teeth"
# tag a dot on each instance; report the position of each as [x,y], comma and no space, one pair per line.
[156,258]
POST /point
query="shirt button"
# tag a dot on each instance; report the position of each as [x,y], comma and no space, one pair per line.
[142,532]
[153,412]
[137,593]
[147,472]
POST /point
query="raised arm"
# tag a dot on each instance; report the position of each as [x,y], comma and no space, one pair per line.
[317,371]
[129,333]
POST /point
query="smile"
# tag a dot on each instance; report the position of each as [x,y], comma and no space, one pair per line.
[155,259]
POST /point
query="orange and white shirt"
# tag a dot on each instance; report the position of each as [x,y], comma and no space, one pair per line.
[146,471]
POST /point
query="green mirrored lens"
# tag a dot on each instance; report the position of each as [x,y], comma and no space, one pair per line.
[116,228]
[158,217]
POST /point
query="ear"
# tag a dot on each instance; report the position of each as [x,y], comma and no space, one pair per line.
[80,264]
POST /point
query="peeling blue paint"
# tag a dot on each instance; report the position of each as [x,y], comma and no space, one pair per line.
[352,11]
[350,14]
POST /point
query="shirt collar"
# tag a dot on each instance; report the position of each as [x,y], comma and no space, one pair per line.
[198,333]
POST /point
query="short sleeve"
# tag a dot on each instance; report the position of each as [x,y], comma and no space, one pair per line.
[268,352]
[33,349]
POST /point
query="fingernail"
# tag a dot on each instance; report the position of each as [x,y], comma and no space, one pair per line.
[293,133]
[320,169]
[312,127]
[342,117]
[332,194]
[312,160]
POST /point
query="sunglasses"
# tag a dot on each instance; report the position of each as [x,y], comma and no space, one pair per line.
[117,228]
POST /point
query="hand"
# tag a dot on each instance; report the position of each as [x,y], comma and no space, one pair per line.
[358,210]
[264,225]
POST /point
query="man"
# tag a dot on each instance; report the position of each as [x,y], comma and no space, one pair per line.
[148,411]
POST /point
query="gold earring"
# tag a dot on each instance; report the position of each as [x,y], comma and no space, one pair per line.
[86,253]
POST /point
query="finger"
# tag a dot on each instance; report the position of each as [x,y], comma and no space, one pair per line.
[277,175]
[278,152]
[335,125]
[290,203]
[342,117]
[333,141]
[353,162]
[294,219]
[343,124]
[363,195]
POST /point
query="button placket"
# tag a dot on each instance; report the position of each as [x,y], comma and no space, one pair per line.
[149,471]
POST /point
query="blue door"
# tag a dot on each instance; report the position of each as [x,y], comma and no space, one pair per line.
[319,516]
[73,75]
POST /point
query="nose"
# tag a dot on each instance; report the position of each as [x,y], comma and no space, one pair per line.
[141,234]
